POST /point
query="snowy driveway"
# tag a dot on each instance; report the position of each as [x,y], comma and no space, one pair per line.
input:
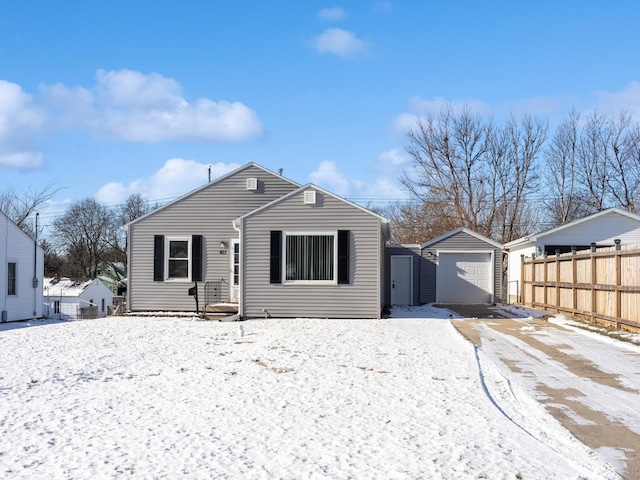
[168,398]
[591,383]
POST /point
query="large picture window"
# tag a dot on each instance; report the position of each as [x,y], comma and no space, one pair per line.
[178,258]
[319,257]
[310,258]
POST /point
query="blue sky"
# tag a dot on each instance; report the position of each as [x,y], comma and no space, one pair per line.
[113,98]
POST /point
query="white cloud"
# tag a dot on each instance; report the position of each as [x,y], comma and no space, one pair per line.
[420,107]
[385,189]
[628,99]
[123,105]
[392,159]
[340,42]
[328,175]
[334,13]
[128,105]
[20,120]
[176,178]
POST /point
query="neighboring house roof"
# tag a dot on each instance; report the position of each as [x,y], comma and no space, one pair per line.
[209,184]
[384,221]
[66,287]
[539,236]
[461,230]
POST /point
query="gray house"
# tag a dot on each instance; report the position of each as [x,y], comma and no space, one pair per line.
[311,253]
[261,244]
[460,266]
[192,239]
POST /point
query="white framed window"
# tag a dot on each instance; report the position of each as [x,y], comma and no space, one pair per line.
[178,258]
[310,257]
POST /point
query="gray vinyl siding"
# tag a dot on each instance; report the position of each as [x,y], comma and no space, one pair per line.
[417,260]
[208,212]
[360,298]
[462,242]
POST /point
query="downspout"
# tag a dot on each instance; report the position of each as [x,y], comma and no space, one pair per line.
[241,272]
[5,294]
[35,269]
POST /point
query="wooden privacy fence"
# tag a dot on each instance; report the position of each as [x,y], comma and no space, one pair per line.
[601,285]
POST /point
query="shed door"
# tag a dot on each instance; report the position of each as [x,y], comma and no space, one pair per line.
[464,278]
[401,284]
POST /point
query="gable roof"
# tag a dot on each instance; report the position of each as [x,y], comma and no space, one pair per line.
[461,230]
[11,222]
[210,184]
[538,236]
[65,287]
[383,220]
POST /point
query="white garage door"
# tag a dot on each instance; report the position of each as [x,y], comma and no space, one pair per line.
[464,278]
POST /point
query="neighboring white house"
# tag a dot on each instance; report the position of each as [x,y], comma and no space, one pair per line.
[602,228]
[21,271]
[67,299]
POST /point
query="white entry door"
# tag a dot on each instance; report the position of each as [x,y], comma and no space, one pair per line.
[234,271]
[401,280]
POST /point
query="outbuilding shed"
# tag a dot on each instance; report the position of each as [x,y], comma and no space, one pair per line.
[462,266]
[67,299]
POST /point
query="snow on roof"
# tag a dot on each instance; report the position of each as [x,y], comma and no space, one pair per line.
[64,287]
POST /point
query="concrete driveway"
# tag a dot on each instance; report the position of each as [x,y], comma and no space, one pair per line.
[591,383]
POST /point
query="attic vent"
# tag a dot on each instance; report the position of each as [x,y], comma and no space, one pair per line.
[252,184]
[310,197]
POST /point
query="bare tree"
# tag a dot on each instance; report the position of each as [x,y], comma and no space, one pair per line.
[19,206]
[449,174]
[592,159]
[563,201]
[470,173]
[83,234]
[135,206]
[623,161]
[525,140]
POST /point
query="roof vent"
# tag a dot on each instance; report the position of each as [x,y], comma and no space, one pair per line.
[310,197]
[252,184]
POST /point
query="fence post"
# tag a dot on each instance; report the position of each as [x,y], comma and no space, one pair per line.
[533,279]
[557,279]
[594,280]
[522,280]
[574,279]
[618,281]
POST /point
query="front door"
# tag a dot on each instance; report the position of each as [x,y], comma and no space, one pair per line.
[234,271]
[401,282]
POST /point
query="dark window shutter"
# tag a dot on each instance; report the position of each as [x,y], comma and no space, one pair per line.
[276,257]
[158,258]
[343,256]
[196,258]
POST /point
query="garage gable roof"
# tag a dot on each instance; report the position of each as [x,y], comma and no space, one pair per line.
[461,230]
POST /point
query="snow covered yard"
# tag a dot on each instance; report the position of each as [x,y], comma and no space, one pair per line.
[129,397]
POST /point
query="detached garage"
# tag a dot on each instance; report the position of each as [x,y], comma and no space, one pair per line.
[461,267]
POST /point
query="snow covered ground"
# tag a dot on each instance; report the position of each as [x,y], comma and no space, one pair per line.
[133,397]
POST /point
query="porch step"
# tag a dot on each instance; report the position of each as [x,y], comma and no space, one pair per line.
[220,308]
